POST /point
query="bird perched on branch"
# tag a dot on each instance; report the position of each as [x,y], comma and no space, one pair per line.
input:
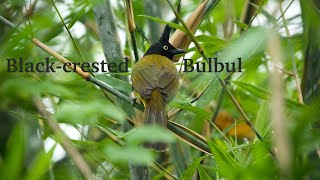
[155,82]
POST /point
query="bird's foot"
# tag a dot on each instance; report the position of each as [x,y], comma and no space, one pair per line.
[133,100]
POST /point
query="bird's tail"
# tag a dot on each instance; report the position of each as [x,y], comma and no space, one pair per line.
[155,114]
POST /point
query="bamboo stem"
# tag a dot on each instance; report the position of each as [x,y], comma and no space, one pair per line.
[281,135]
[132,28]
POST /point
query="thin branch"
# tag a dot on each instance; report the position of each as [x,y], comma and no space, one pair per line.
[31,8]
[65,142]
[70,35]
[60,58]
[294,66]
[160,169]
[282,13]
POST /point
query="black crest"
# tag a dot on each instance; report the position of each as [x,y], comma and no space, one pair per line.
[163,47]
[166,34]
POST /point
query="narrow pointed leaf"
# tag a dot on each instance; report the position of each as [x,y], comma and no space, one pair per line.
[189,136]
[188,173]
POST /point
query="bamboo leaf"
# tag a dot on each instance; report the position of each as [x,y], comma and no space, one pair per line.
[202,114]
[256,91]
[189,136]
[211,40]
[188,173]
[150,134]
[12,165]
[132,154]
[40,165]
[264,12]
[240,24]
[76,18]
[116,83]
[260,93]
[177,26]
[203,174]
[224,161]
[262,123]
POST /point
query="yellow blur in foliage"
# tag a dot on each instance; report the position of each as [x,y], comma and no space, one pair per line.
[240,130]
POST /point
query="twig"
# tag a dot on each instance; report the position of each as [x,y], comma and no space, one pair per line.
[67,29]
[65,142]
[60,58]
[160,169]
[294,66]
[282,13]
[31,8]
[8,23]
[286,71]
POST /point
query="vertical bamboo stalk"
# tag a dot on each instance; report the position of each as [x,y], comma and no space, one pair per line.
[108,31]
[132,28]
[280,137]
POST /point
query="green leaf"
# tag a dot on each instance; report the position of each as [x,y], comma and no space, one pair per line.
[198,111]
[177,26]
[253,42]
[40,165]
[116,83]
[87,112]
[262,123]
[189,136]
[12,164]
[132,154]
[264,12]
[203,174]
[240,24]
[76,17]
[211,40]
[256,91]
[188,173]
[224,161]
[260,93]
[150,134]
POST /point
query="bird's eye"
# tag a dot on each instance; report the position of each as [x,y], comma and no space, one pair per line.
[165,47]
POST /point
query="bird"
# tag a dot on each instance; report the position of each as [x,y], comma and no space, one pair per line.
[155,82]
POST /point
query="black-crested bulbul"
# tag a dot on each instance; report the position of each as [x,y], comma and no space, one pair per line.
[155,82]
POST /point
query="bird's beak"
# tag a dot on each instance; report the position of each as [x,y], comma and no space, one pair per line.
[178,51]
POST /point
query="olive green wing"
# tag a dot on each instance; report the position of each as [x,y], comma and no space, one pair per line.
[144,80]
[168,83]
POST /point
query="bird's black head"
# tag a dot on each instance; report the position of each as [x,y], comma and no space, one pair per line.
[163,47]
